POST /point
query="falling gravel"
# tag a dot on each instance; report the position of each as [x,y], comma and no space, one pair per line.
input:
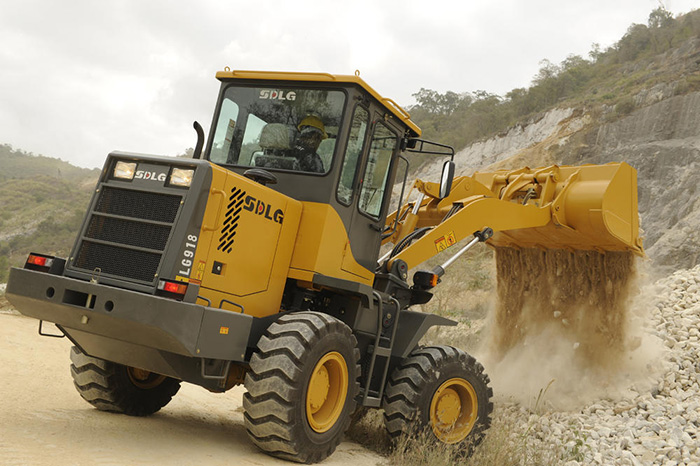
[565,325]
[650,412]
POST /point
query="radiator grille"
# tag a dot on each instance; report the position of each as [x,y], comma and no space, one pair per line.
[233,214]
[138,204]
[127,233]
[114,260]
[132,233]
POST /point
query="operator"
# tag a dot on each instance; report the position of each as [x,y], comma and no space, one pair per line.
[311,133]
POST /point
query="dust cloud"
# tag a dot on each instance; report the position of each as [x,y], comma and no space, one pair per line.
[564,331]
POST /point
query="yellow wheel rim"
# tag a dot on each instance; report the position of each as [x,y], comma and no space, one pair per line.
[453,410]
[328,387]
[144,379]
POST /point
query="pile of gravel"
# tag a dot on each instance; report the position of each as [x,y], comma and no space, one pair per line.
[660,426]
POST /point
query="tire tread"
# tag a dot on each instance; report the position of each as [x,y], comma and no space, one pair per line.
[406,387]
[101,383]
[274,384]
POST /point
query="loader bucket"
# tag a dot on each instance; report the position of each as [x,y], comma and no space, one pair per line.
[591,207]
[565,267]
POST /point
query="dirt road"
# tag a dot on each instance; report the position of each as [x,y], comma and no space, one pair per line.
[43,420]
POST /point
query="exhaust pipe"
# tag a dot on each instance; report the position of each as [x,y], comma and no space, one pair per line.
[200,140]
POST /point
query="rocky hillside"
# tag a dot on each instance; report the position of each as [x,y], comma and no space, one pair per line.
[662,141]
[659,136]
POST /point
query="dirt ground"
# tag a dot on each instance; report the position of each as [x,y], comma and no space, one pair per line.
[43,420]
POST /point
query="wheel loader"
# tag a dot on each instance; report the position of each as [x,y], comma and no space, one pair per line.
[258,262]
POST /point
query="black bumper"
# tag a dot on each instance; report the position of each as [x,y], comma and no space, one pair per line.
[129,321]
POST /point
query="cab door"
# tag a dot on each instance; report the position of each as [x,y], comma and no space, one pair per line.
[374,182]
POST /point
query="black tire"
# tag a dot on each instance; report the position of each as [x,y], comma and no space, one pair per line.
[278,399]
[109,386]
[421,380]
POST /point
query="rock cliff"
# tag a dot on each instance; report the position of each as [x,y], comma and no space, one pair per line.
[658,133]
[661,140]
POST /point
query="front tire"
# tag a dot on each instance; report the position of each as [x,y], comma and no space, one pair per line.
[301,387]
[109,386]
[446,391]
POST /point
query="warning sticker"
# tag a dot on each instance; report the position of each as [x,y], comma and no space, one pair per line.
[199,273]
[223,330]
[445,241]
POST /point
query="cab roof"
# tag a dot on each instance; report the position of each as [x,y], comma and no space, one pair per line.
[389,104]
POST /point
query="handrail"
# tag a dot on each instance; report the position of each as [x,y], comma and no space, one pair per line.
[231,302]
[404,113]
[290,74]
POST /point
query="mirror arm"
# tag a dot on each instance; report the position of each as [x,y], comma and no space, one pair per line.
[415,145]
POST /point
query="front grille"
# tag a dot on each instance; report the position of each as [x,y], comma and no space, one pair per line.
[132,233]
[127,233]
[114,260]
[138,204]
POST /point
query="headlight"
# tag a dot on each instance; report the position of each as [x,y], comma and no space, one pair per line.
[181,177]
[125,170]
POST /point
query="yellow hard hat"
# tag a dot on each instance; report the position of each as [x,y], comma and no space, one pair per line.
[313,121]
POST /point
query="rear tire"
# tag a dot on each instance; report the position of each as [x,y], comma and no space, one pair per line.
[446,391]
[109,386]
[301,387]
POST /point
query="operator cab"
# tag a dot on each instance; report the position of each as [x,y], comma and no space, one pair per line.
[319,138]
[324,138]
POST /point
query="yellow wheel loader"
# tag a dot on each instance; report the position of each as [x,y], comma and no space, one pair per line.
[257,262]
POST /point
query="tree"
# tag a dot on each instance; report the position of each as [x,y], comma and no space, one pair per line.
[659,18]
[434,102]
[635,41]
[573,61]
[548,70]
[661,23]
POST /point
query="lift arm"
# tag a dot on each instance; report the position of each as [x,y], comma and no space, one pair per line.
[590,207]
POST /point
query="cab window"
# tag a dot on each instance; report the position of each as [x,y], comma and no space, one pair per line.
[224,130]
[375,179]
[356,138]
[278,128]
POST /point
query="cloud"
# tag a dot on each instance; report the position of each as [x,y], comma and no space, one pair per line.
[82,78]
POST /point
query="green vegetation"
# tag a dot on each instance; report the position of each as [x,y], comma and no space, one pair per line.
[43,203]
[608,77]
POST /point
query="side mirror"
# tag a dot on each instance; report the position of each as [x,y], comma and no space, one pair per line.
[448,173]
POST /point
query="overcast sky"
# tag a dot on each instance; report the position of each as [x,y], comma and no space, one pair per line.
[81,78]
